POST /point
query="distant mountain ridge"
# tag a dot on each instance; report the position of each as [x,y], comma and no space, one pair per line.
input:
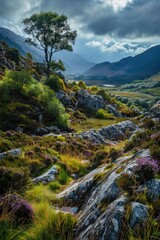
[127,69]
[73,62]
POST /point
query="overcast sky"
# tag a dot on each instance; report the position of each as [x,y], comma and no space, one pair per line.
[107,29]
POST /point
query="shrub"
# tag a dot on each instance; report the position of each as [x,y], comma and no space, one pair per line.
[146,168]
[22,87]
[81,84]
[13,179]
[17,208]
[104,94]
[126,182]
[55,83]
[114,154]
[103,114]
[53,186]
[98,158]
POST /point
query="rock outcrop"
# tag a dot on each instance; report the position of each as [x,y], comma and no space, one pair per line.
[48,176]
[14,153]
[113,132]
[88,101]
[102,204]
[155,111]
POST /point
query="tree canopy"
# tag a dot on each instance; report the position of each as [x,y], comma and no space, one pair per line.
[51,33]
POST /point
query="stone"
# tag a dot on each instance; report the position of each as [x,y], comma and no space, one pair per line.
[114,132]
[107,226]
[19,129]
[48,176]
[152,187]
[88,101]
[14,153]
[46,130]
[138,215]
[64,98]
[114,111]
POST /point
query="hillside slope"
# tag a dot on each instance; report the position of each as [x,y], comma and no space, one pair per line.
[74,63]
[128,69]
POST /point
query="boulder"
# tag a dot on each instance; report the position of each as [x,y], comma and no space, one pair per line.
[46,130]
[114,111]
[107,226]
[88,101]
[64,98]
[152,187]
[48,176]
[155,111]
[138,215]
[14,153]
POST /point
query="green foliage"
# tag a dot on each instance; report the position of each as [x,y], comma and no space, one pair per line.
[104,94]
[55,83]
[99,157]
[126,182]
[22,87]
[114,154]
[82,84]
[103,114]
[53,186]
[50,225]
[52,32]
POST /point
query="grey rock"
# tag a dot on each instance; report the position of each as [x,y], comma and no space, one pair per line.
[138,215]
[46,130]
[64,98]
[152,187]
[114,111]
[19,129]
[78,189]
[14,152]
[48,176]
[155,111]
[113,132]
[107,226]
[88,101]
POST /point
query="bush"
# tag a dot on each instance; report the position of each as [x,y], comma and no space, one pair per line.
[146,169]
[82,85]
[53,186]
[21,87]
[98,158]
[104,94]
[13,179]
[17,208]
[126,182]
[55,83]
[114,154]
[103,114]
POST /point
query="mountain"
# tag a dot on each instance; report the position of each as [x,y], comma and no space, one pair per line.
[127,69]
[73,62]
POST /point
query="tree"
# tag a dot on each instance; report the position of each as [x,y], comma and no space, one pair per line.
[51,33]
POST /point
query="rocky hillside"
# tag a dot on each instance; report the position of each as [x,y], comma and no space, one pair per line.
[75,162]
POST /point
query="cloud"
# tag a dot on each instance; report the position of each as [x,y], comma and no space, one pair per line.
[16,10]
[112,46]
[138,18]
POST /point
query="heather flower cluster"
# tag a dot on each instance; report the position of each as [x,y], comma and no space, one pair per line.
[146,168]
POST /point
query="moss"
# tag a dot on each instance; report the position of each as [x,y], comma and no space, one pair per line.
[103,114]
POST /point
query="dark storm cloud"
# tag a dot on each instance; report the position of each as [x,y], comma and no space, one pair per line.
[16,10]
[71,8]
[141,17]
[138,19]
